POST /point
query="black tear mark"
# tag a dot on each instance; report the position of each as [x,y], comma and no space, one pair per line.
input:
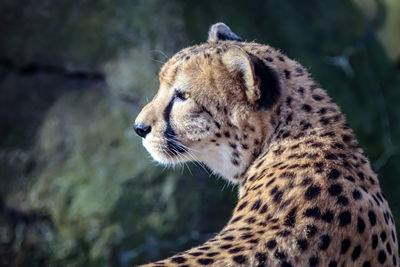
[204,109]
[269,87]
[172,144]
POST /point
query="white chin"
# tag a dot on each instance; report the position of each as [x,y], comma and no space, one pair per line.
[159,156]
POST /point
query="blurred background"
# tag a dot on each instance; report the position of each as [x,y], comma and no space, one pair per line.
[76,186]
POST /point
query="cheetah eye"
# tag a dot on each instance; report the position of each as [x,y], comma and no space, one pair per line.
[183,95]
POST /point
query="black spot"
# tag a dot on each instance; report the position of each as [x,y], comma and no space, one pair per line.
[388,248]
[306,181]
[344,218]
[263,209]
[289,118]
[269,87]
[374,241]
[299,70]
[360,225]
[227,134]
[311,230]
[335,189]
[318,167]
[256,205]
[312,192]
[261,257]
[383,237]
[330,156]
[283,233]
[291,217]
[281,58]
[394,260]
[333,174]
[196,253]
[366,264]
[286,264]
[178,259]
[372,217]
[317,97]
[356,253]
[342,200]
[325,241]
[313,212]
[253,241]
[313,261]
[239,259]
[287,74]
[302,243]
[327,216]
[274,190]
[332,264]
[287,175]
[350,178]
[271,244]
[205,261]
[324,121]
[228,238]
[382,257]
[316,144]
[356,194]
[235,250]
[212,254]
[232,145]
[278,196]
[251,220]
[346,138]
[236,219]
[322,111]
[242,206]
[279,255]
[344,246]
[288,100]
[269,59]
[306,108]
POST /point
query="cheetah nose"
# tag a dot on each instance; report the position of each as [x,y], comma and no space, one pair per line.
[142,129]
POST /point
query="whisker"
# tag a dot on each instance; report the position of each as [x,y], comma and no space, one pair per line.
[161,52]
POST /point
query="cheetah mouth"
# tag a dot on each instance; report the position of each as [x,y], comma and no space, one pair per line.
[167,150]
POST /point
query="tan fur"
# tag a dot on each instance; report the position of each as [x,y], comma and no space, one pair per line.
[305,185]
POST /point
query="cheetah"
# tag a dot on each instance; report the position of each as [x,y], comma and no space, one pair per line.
[308,195]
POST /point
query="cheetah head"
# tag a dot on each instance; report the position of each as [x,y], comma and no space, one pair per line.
[214,105]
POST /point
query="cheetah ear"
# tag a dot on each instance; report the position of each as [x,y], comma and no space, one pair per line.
[238,61]
[261,82]
[220,32]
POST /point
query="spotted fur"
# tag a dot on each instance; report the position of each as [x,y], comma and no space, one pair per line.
[308,195]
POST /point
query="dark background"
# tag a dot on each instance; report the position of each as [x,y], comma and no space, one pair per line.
[76,186]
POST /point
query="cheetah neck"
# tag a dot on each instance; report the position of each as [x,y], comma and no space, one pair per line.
[304,132]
